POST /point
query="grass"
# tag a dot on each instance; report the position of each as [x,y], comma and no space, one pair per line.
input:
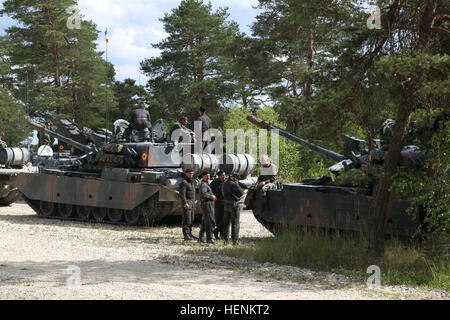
[403,263]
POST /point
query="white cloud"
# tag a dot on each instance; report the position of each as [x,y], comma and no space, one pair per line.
[235,3]
[132,71]
[133,26]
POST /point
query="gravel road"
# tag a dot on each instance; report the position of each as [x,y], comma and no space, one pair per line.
[40,259]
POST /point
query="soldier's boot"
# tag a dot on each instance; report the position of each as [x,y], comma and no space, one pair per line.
[216,233]
[187,236]
[191,235]
[209,236]
[201,235]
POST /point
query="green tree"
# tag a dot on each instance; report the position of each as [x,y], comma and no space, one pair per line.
[363,76]
[298,35]
[12,119]
[57,69]
[127,94]
[12,113]
[191,70]
[296,162]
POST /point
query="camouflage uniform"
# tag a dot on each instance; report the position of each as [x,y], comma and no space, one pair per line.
[232,193]
[141,121]
[207,206]
[269,177]
[185,132]
[206,125]
[45,139]
[187,195]
[3,143]
[216,187]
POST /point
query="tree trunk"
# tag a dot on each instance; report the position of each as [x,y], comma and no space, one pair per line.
[382,195]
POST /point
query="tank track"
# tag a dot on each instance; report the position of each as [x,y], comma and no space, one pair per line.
[274,228]
[12,197]
[146,214]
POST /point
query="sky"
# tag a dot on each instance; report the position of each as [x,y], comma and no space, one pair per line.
[134,25]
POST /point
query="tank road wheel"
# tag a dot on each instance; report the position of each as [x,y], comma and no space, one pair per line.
[65,210]
[115,215]
[133,217]
[47,209]
[83,212]
[99,214]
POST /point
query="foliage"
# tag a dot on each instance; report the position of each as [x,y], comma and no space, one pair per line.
[344,253]
[363,177]
[127,94]
[430,191]
[57,70]
[12,119]
[296,162]
[192,68]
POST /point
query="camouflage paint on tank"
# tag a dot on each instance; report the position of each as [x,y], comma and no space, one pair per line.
[84,191]
[330,207]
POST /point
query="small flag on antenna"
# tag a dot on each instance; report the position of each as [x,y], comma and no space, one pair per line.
[106,36]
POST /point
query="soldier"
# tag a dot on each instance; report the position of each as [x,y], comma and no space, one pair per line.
[268,175]
[216,187]
[232,194]
[187,195]
[141,121]
[44,138]
[207,199]
[206,125]
[181,125]
[266,181]
[3,144]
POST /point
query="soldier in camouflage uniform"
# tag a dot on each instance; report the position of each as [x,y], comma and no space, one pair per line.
[2,143]
[268,175]
[187,195]
[232,194]
[266,180]
[216,187]
[44,138]
[142,123]
[181,125]
[206,125]
[207,199]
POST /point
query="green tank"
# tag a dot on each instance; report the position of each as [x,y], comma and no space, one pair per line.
[323,203]
[117,183]
[13,161]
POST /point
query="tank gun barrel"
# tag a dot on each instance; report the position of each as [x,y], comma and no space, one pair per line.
[72,143]
[320,150]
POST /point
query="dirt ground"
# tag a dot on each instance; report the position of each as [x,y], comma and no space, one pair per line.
[52,259]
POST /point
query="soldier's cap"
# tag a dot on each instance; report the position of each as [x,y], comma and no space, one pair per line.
[236,176]
[188,170]
[204,173]
[202,109]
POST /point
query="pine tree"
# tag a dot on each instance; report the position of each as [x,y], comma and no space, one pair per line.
[57,68]
[128,94]
[191,70]
[12,113]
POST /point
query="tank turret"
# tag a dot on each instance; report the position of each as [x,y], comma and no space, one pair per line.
[355,153]
[322,203]
[122,182]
